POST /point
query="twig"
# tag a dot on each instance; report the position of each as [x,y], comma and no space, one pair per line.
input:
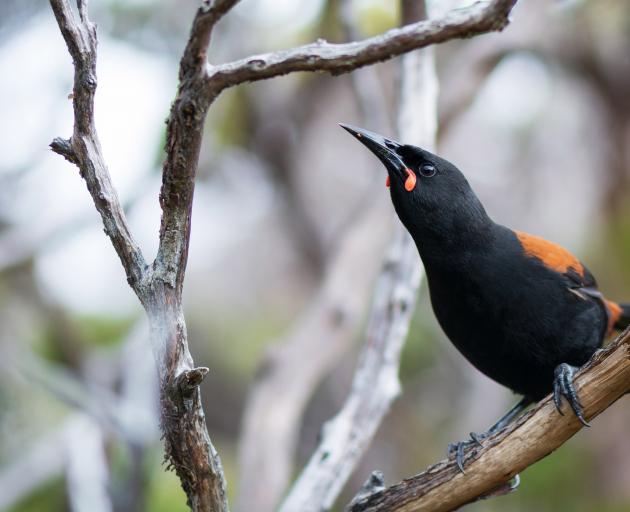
[342,58]
[441,487]
[83,148]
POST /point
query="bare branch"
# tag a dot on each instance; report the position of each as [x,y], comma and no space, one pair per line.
[184,133]
[375,384]
[320,336]
[84,149]
[342,58]
[208,14]
[323,332]
[87,471]
[187,443]
[441,487]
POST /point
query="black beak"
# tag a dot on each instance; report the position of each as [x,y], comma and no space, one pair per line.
[385,149]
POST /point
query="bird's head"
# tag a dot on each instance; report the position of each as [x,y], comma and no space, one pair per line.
[428,192]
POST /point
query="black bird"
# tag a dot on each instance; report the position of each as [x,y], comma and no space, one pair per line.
[522,310]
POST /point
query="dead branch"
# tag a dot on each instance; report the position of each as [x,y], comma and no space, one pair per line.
[87,472]
[187,443]
[184,131]
[320,336]
[441,487]
[342,58]
[375,384]
[83,148]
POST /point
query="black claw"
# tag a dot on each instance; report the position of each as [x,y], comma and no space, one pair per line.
[459,458]
[477,438]
[563,386]
[557,394]
[457,450]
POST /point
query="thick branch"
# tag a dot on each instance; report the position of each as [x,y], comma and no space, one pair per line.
[342,58]
[84,149]
[184,135]
[441,487]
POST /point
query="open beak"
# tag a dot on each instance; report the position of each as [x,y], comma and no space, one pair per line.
[383,148]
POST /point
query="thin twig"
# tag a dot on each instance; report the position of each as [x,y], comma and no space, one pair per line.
[442,487]
[83,148]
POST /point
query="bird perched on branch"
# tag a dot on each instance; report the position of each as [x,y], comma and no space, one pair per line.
[522,310]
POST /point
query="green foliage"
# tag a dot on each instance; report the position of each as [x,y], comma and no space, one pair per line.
[377,18]
[165,492]
[51,496]
[103,331]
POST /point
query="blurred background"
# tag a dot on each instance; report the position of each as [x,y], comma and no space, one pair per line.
[290,225]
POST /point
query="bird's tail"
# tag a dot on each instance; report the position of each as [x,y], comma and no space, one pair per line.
[621,315]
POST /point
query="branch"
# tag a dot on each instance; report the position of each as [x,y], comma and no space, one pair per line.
[295,367]
[187,443]
[83,149]
[87,471]
[342,58]
[325,331]
[441,487]
[210,12]
[184,133]
[375,384]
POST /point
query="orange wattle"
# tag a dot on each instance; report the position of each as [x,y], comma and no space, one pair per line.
[410,182]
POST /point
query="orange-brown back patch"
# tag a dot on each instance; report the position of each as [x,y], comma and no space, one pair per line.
[614,312]
[552,255]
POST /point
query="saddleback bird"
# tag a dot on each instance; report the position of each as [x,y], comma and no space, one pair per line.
[522,310]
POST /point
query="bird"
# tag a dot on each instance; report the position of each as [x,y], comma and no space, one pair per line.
[523,310]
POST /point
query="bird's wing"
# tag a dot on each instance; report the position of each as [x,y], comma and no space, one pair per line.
[580,281]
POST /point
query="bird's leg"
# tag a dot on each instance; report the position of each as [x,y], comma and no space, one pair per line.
[563,386]
[458,449]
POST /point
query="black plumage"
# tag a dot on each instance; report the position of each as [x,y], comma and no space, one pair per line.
[522,310]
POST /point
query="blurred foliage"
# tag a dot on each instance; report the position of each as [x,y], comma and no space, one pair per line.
[51,496]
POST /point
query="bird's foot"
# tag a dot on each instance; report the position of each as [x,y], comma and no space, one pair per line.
[563,386]
[458,450]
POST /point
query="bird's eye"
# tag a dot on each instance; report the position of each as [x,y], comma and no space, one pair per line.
[427,170]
